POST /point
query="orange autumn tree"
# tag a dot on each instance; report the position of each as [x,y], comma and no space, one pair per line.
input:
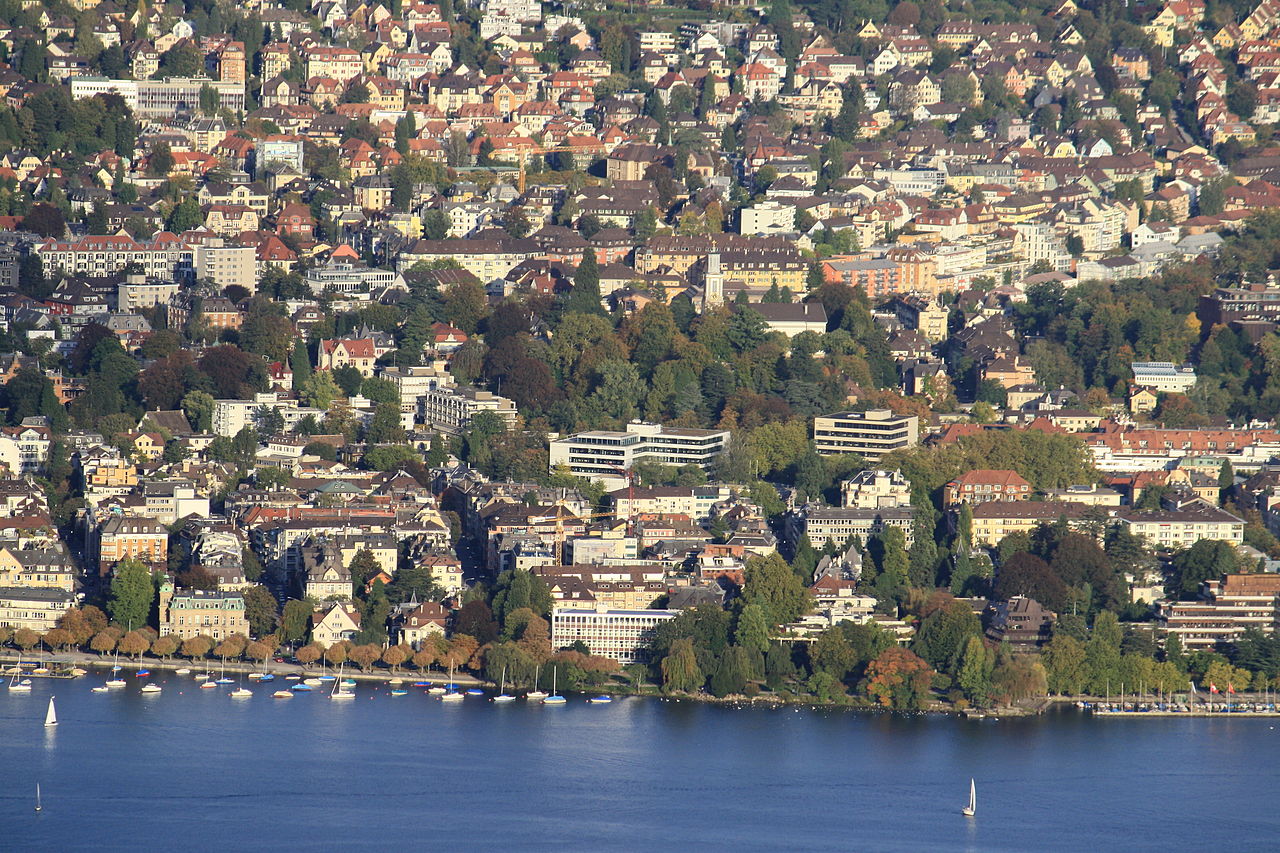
[899,679]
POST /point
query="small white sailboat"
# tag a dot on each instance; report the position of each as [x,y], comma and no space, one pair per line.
[502,689]
[50,716]
[150,688]
[283,694]
[554,698]
[970,809]
[535,693]
[19,685]
[38,806]
[115,680]
[453,695]
[341,690]
[182,671]
[99,689]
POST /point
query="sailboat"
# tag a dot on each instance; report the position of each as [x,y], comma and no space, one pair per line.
[535,693]
[554,698]
[23,686]
[50,716]
[38,796]
[970,809]
[241,692]
[453,695]
[340,690]
[222,679]
[115,680]
[502,689]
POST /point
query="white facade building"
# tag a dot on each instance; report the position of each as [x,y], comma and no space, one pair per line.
[618,634]
[604,455]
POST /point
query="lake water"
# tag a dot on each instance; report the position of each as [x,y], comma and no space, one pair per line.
[192,769]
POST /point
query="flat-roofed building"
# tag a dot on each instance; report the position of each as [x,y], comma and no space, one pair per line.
[606,456]
[619,634]
[870,434]
[451,410]
[1228,607]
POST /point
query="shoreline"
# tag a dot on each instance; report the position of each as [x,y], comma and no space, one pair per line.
[94,664]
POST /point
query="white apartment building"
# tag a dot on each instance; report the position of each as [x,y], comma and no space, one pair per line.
[618,634]
[161,98]
[348,279]
[451,409]
[768,217]
[870,434]
[605,456]
[231,416]
[1182,528]
[138,292]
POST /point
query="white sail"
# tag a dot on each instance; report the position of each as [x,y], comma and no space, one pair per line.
[972,808]
[50,716]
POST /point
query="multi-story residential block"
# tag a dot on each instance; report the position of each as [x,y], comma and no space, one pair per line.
[38,609]
[836,524]
[226,265]
[123,537]
[693,501]
[619,634]
[606,456]
[451,410]
[994,520]
[156,99]
[1184,526]
[1228,607]
[870,434]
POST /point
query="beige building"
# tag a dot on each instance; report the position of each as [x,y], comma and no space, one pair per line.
[340,623]
[452,409]
[196,612]
[1183,527]
[994,520]
[33,607]
[1228,607]
[123,537]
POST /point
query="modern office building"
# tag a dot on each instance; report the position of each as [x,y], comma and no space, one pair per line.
[618,634]
[870,434]
[606,456]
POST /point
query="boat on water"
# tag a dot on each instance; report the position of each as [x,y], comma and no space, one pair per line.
[452,694]
[301,688]
[436,691]
[554,698]
[327,678]
[475,692]
[535,693]
[100,689]
[972,808]
[341,689]
[502,689]
[209,685]
[348,682]
[183,671]
[399,692]
[115,680]
[283,694]
[150,688]
[225,680]
[600,700]
[241,693]
[292,677]
[38,806]
[422,684]
[19,685]
[50,716]
[142,673]
[312,682]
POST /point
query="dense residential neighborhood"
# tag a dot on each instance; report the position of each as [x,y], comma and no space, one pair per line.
[887,355]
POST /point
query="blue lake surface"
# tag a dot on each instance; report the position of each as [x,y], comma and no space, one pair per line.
[191,769]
